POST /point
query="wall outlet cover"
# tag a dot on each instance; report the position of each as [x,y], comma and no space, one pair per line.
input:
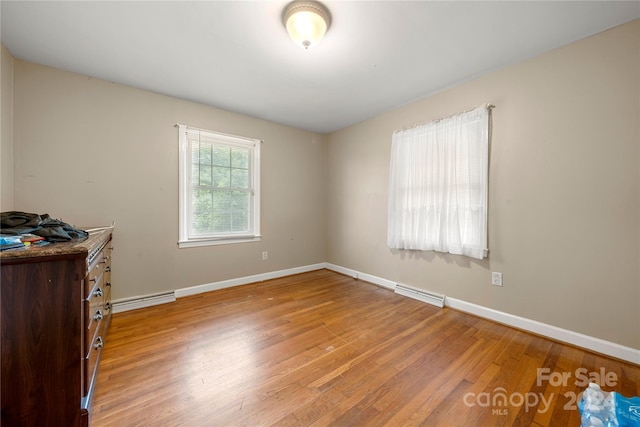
[496,279]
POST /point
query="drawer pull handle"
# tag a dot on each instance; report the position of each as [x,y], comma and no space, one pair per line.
[98,292]
[108,284]
[107,306]
[98,343]
[98,315]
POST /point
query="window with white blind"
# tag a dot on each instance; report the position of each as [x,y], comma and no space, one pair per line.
[219,188]
[439,185]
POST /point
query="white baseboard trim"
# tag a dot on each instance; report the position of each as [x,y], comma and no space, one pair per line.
[150,300]
[580,340]
[198,289]
[574,338]
[141,302]
[362,276]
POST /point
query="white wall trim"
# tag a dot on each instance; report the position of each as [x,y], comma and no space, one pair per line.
[121,305]
[362,276]
[585,341]
[198,289]
[127,304]
[574,338]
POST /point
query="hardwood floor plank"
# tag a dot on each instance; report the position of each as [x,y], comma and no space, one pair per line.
[465,397]
[323,349]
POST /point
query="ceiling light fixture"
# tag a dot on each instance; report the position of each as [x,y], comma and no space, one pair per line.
[306,22]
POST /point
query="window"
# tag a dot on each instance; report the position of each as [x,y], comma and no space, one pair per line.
[219,188]
[439,184]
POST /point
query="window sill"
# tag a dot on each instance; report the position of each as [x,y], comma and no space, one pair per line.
[214,242]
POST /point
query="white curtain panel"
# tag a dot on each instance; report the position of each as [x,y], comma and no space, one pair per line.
[438,186]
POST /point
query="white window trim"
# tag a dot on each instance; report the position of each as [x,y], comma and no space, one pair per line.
[184,192]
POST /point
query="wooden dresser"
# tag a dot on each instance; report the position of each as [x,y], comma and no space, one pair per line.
[56,308]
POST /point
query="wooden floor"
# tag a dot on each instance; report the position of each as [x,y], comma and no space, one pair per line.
[322,349]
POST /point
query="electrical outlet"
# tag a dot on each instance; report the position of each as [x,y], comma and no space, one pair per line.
[265,255]
[496,278]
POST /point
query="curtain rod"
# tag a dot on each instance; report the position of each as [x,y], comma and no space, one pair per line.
[487,106]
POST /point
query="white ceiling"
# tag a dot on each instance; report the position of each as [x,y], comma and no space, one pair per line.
[236,55]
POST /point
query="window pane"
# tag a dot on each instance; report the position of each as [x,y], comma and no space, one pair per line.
[239,178]
[225,205]
[222,216]
[222,156]
[219,211]
[240,221]
[205,175]
[221,177]
[195,173]
[220,201]
[221,221]
[239,201]
[231,211]
[240,158]
[202,211]
[195,152]
[205,153]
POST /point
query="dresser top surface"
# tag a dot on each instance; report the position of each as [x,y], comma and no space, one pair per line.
[71,248]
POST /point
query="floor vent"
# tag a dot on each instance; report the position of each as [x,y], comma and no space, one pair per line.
[148,301]
[420,295]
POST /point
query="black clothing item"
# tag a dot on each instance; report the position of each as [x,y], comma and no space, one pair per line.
[53,230]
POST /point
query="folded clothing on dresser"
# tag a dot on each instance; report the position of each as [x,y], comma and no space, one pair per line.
[53,230]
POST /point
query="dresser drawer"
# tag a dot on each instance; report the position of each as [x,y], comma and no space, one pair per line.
[94,329]
[96,268]
[97,314]
[96,296]
[94,313]
[91,361]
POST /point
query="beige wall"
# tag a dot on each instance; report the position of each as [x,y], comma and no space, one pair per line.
[564,214]
[6,134]
[91,152]
[564,185]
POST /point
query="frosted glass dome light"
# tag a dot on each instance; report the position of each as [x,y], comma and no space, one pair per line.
[306,22]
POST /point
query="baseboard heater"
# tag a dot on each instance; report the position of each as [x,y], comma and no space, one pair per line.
[420,295]
[148,301]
